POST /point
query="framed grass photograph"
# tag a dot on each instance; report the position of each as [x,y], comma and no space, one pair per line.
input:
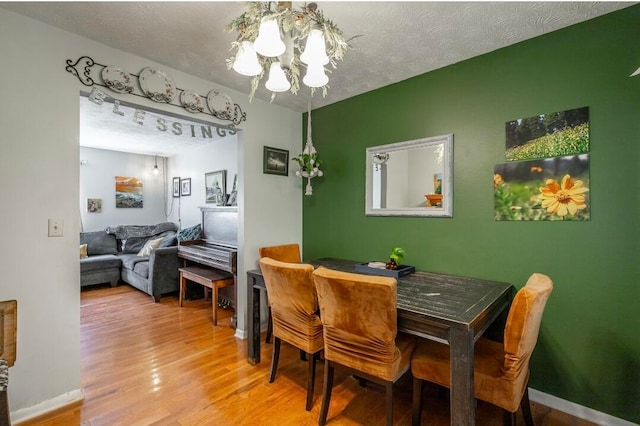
[275,161]
[547,135]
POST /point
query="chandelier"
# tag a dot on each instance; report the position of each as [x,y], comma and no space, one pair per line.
[275,39]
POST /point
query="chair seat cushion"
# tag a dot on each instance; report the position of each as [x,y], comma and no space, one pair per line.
[431,362]
[99,262]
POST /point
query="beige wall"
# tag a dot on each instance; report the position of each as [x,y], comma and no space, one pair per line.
[39,121]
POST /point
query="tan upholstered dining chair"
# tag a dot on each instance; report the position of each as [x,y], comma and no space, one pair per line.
[359,319]
[284,253]
[294,306]
[501,369]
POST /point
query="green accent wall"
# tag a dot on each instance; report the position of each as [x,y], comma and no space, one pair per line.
[588,351]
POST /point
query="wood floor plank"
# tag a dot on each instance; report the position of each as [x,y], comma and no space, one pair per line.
[146,363]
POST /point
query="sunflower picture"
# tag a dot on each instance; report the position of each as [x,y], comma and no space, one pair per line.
[545,189]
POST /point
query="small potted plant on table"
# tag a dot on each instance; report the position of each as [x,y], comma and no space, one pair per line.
[395,258]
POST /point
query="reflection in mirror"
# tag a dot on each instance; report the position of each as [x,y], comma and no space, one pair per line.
[411,178]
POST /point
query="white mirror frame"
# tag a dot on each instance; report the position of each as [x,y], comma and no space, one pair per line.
[447,178]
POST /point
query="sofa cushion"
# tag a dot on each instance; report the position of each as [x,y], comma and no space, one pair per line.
[99,242]
[190,233]
[142,269]
[98,262]
[129,260]
[83,251]
[137,264]
[150,245]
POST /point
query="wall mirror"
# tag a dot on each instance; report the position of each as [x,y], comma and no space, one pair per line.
[411,178]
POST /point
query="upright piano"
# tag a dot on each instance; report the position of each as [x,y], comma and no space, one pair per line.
[218,247]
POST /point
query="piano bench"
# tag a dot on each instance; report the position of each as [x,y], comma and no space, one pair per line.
[208,277]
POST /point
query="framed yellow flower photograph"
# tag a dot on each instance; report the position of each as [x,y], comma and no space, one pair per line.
[546,189]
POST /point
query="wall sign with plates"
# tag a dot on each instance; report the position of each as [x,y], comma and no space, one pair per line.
[157,85]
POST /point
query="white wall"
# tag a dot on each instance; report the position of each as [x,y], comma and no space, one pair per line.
[98,170]
[39,122]
[194,163]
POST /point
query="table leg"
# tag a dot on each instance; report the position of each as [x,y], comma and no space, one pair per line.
[214,302]
[182,288]
[253,319]
[463,401]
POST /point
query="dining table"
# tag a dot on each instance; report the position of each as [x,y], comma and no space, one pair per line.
[450,309]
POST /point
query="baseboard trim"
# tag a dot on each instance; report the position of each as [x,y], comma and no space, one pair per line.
[240,334]
[576,410]
[47,406]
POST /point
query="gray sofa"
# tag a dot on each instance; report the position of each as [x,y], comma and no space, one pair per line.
[113,256]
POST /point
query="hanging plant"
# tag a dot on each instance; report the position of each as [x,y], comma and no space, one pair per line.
[309,164]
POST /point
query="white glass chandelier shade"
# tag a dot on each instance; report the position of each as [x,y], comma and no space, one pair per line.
[315,76]
[268,43]
[315,51]
[277,79]
[246,62]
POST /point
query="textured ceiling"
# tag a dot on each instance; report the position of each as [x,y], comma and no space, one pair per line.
[398,40]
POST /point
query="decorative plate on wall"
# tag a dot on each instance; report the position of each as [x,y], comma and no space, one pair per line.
[220,104]
[157,85]
[116,79]
[191,101]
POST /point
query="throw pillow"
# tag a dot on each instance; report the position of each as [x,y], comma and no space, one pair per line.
[134,244]
[189,234]
[83,251]
[149,245]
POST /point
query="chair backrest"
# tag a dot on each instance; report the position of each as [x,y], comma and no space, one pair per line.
[359,315]
[283,253]
[293,302]
[523,324]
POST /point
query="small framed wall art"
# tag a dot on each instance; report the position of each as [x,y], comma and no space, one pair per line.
[275,161]
[215,187]
[94,205]
[176,187]
[185,187]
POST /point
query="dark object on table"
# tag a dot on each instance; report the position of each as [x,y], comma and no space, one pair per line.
[401,271]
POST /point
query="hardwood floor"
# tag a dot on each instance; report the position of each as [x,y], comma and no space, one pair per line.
[158,364]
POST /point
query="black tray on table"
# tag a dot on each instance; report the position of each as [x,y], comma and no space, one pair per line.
[402,270]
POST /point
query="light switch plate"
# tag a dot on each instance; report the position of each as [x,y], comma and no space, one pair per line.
[55,227]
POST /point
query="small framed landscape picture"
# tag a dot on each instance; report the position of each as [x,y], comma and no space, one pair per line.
[275,161]
[176,187]
[185,187]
